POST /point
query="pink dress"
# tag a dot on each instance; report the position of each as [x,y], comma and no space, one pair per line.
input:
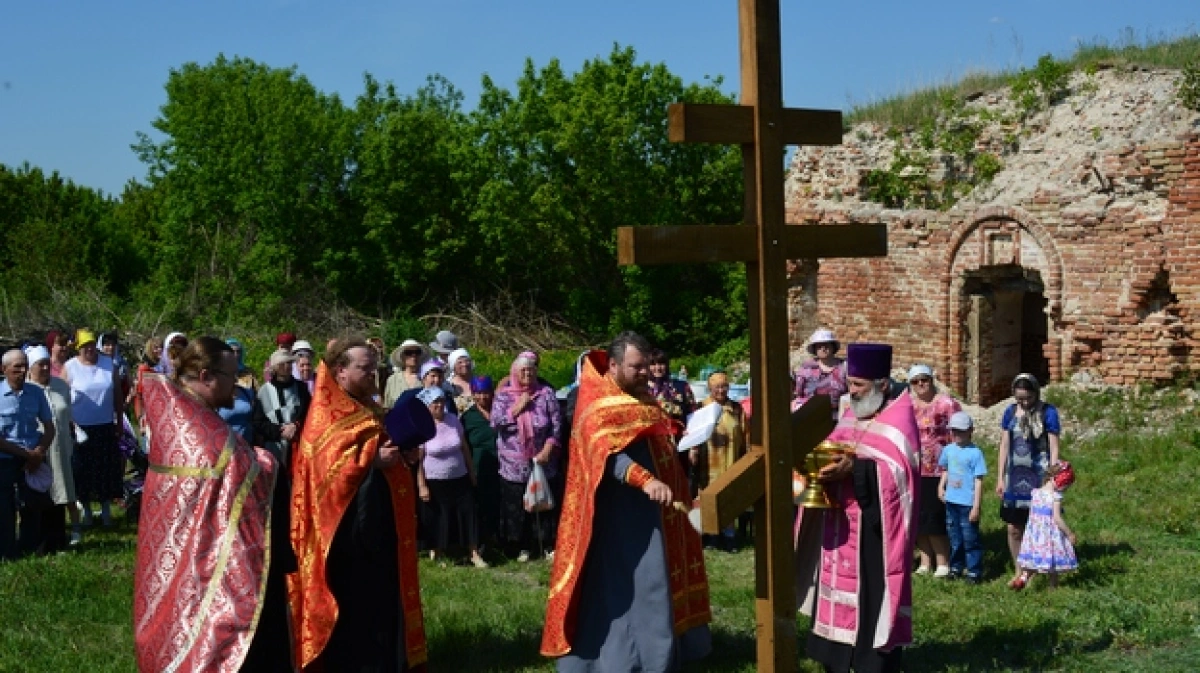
[932,420]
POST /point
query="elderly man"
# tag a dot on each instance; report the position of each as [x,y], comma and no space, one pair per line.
[854,561]
[23,447]
[356,603]
[280,408]
[209,593]
[628,590]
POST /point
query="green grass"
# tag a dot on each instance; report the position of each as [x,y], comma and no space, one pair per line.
[1133,606]
[909,109]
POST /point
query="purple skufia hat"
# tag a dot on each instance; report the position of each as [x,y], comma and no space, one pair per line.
[869,361]
[409,424]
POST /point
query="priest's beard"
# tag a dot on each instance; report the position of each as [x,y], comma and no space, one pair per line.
[868,404]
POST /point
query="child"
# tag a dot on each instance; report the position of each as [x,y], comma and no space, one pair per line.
[961,488]
[1048,545]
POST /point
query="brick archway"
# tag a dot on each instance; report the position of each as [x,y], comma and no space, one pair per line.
[992,236]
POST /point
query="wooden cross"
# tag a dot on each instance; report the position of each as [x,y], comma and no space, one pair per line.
[763,477]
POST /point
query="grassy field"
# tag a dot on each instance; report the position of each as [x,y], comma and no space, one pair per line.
[1133,606]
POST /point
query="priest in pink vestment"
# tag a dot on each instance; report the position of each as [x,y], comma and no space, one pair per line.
[854,562]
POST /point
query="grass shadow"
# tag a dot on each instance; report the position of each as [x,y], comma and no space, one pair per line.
[1099,564]
[479,650]
[990,648]
[731,650]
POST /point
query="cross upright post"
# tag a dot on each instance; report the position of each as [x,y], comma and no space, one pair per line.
[779,439]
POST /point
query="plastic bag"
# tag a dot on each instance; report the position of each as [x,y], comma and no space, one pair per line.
[537,492]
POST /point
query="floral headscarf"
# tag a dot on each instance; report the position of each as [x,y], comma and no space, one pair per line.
[1032,423]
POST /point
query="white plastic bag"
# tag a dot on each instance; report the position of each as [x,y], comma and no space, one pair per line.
[537,492]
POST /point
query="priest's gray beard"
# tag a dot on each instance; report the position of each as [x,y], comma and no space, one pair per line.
[868,405]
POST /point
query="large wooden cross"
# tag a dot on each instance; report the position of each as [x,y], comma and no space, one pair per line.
[763,477]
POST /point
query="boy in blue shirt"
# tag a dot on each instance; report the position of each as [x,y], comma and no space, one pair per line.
[961,488]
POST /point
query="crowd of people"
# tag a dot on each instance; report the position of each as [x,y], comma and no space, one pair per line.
[345,467]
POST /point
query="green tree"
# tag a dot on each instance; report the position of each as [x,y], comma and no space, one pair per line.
[568,159]
[411,237]
[252,170]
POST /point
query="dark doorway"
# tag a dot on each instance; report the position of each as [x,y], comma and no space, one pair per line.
[1006,330]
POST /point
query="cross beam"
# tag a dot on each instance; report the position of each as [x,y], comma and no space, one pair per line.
[698,243]
[763,478]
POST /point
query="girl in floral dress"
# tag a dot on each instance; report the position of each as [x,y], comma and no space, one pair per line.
[1048,546]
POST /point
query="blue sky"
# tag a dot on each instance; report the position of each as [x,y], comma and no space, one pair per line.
[79,79]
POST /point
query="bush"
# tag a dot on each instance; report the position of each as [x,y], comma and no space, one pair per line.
[1041,87]
[1189,86]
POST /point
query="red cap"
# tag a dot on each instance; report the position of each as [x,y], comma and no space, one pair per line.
[285,340]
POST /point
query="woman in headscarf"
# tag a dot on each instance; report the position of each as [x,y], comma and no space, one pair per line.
[932,410]
[727,443]
[173,348]
[445,479]
[246,377]
[62,489]
[675,397]
[240,417]
[59,345]
[528,424]
[459,378]
[477,423]
[1028,446]
[97,408]
[824,374]
[406,370]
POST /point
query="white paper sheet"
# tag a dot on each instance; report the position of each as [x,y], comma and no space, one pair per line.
[700,426]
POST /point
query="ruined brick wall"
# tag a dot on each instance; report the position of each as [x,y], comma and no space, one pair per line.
[1114,249]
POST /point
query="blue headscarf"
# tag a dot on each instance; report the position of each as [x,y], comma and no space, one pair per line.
[241,352]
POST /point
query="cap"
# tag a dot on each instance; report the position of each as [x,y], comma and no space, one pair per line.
[302,345]
[919,370]
[84,337]
[960,420]
[280,357]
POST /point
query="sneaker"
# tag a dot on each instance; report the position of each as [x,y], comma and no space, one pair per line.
[973,579]
[549,555]
[923,570]
[478,562]
[76,538]
[523,557]
[942,571]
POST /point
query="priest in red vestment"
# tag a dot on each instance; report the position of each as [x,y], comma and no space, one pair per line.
[356,601]
[208,590]
[628,590]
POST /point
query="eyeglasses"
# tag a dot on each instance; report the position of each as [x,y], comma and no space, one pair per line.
[920,382]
